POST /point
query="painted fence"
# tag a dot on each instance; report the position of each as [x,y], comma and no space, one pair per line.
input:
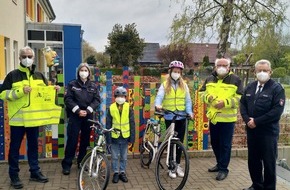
[140,95]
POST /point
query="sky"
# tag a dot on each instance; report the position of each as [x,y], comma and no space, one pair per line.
[153,18]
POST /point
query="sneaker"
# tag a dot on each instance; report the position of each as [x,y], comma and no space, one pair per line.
[180,171]
[172,174]
[123,177]
[38,177]
[16,182]
[115,178]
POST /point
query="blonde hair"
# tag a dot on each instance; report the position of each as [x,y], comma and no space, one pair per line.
[168,84]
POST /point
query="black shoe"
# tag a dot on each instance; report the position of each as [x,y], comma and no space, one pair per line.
[123,177]
[38,177]
[213,169]
[221,176]
[250,188]
[65,171]
[115,178]
[16,183]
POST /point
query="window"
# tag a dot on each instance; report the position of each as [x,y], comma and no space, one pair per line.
[35,35]
[15,54]
[7,54]
[53,36]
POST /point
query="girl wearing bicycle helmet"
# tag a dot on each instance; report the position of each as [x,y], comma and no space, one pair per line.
[173,95]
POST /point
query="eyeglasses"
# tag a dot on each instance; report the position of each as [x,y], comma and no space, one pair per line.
[25,56]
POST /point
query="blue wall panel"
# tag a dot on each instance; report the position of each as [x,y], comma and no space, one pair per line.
[72,51]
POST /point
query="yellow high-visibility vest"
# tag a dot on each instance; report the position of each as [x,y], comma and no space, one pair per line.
[41,109]
[120,121]
[227,93]
[175,100]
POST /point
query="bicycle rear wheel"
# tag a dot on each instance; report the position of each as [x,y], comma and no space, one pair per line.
[145,155]
[100,173]
[176,166]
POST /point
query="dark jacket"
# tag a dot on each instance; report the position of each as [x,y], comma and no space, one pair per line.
[109,123]
[266,109]
[17,75]
[82,95]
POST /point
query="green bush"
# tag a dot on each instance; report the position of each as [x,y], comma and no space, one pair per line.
[151,72]
[279,72]
[115,71]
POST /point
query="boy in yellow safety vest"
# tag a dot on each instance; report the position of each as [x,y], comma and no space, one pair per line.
[121,117]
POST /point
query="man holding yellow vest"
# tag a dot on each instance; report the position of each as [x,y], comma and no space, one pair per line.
[18,89]
[121,118]
[222,92]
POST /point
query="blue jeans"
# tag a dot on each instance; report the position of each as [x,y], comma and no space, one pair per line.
[119,149]
[16,136]
[221,136]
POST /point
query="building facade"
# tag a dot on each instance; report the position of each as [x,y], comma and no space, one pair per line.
[14,16]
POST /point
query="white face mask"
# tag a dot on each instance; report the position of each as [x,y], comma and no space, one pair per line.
[175,76]
[120,100]
[27,62]
[222,71]
[263,76]
[84,74]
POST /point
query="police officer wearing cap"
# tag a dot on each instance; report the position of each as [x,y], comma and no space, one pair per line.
[262,105]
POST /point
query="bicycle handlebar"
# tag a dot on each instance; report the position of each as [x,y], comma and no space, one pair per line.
[98,124]
[165,111]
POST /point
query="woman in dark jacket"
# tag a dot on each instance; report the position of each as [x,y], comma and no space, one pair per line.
[81,99]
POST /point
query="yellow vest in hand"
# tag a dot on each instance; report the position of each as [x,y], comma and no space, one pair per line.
[41,109]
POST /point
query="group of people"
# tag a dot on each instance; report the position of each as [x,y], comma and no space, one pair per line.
[261,104]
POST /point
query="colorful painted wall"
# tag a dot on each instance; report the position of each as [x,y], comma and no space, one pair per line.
[140,95]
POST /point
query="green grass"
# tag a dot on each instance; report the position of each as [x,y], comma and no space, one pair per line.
[287,90]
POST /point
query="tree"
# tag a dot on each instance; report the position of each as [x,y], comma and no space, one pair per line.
[88,50]
[91,60]
[125,45]
[268,45]
[227,19]
[180,52]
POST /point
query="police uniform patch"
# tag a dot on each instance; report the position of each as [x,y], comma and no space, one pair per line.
[281,102]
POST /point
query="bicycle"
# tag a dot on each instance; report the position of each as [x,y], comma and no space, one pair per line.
[95,166]
[165,153]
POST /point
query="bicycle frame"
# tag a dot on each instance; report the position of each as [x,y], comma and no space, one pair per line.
[98,147]
[100,142]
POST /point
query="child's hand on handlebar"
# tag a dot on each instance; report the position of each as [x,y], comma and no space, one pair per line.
[158,107]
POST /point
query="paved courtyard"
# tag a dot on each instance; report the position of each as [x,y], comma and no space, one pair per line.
[140,178]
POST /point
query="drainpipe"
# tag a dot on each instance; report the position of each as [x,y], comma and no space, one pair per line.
[25,26]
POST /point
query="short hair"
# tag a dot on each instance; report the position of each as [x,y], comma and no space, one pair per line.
[24,49]
[262,62]
[219,59]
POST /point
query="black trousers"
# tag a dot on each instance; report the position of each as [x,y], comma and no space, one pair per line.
[180,129]
[262,153]
[76,124]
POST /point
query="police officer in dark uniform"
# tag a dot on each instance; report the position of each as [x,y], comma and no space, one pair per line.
[261,107]
[81,99]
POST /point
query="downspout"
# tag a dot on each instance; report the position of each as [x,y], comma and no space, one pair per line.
[25,26]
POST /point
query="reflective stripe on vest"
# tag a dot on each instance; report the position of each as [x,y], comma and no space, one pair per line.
[41,110]
[175,100]
[120,122]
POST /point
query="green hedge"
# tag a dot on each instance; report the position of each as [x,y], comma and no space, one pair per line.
[115,71]
[151,72]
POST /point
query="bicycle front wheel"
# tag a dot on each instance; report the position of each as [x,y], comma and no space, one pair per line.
[174,174]
[145,155]
[99,178]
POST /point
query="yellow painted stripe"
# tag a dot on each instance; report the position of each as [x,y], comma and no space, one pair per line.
[2,59]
